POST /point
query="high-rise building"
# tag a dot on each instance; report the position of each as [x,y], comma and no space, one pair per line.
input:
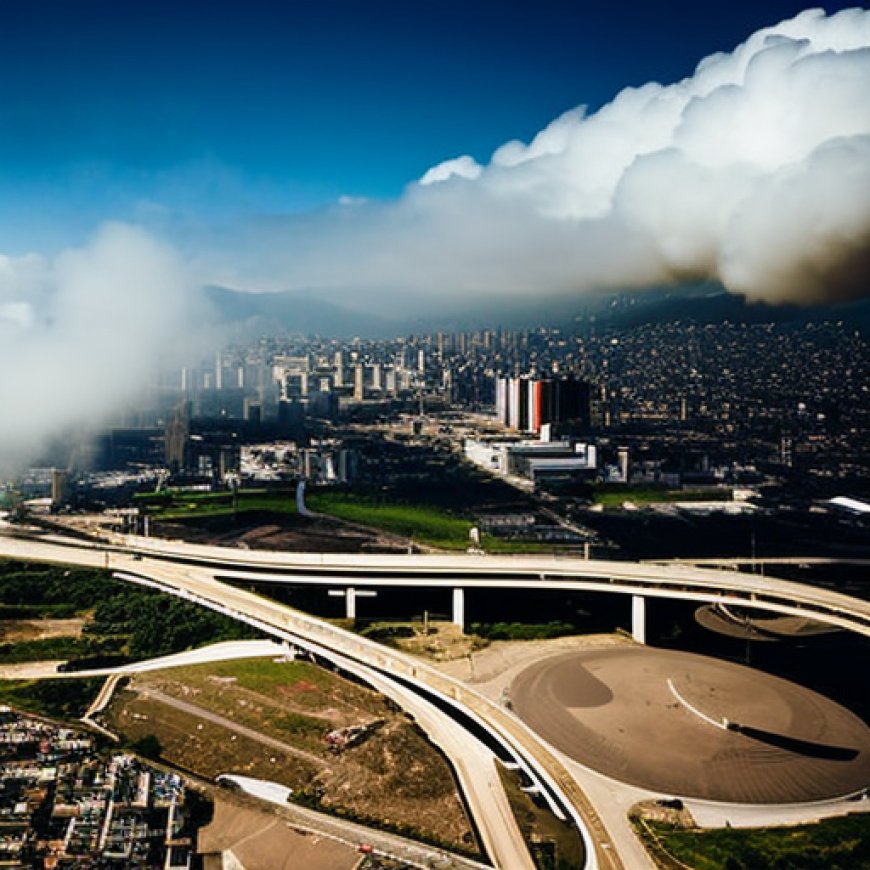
[359,382]
[622,454]
[60,487]
[527,403]
[391,381]
[338,367]
[176,435]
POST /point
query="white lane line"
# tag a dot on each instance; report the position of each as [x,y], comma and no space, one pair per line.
[692,709]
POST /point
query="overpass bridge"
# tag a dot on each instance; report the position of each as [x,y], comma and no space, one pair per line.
[457,572]
[198,573]
[414,685]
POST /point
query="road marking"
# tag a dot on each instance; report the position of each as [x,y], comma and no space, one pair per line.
[723,725]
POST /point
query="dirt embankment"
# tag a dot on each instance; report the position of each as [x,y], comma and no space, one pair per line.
[17,630]
[270,721]
[264,530]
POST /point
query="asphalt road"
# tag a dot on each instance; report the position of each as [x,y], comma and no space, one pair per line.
[657,719]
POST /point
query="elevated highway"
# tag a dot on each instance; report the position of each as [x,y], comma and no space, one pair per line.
[412,684]
[197,572]
[461,571]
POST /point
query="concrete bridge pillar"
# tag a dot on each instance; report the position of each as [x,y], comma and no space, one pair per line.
[638,618]
[459,607]
[350,596]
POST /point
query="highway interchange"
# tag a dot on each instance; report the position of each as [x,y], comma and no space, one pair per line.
[192,572]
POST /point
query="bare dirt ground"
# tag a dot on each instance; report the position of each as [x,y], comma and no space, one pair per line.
[222,718]
[438,641]
[16,630]
[263,841]
[270,531]
[29,670]
[615,711]
[491,669]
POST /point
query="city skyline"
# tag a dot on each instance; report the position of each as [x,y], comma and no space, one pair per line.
[749,171]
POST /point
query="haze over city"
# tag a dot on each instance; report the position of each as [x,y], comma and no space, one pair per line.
[408,164]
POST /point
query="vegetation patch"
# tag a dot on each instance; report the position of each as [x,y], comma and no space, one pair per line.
[123,622]
[73,648]
[423,523]
[833,844]
[57,699]
[522,630]
[201,747]
[178,504]
[37,611]
[394,778]
[615,495]
[435,639]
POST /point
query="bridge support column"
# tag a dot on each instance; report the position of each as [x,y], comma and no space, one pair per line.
[459,607]
[638,618]
[350,596]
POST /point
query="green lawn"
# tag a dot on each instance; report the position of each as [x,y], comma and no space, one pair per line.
[178,504]
[264,675]
[421,523]
[614,495]
[834,844]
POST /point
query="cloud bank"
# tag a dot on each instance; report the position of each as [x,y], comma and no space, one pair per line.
[80,333]
[754,171]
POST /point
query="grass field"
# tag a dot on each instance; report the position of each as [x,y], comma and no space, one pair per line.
[421,523]
[833,844]
[393,778]
[616,495]
[175,505]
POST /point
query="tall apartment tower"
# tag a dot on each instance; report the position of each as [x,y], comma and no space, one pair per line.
[622,454]
[338,366]
[359,391]
[528,403]
[176,436]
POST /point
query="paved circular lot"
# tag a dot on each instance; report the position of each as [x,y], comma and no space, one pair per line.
[655,718]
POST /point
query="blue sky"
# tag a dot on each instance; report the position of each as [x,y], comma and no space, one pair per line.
[206,112]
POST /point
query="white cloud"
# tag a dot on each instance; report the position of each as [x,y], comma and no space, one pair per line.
[755,170]
[79,334]
[459,167]
[751,171]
